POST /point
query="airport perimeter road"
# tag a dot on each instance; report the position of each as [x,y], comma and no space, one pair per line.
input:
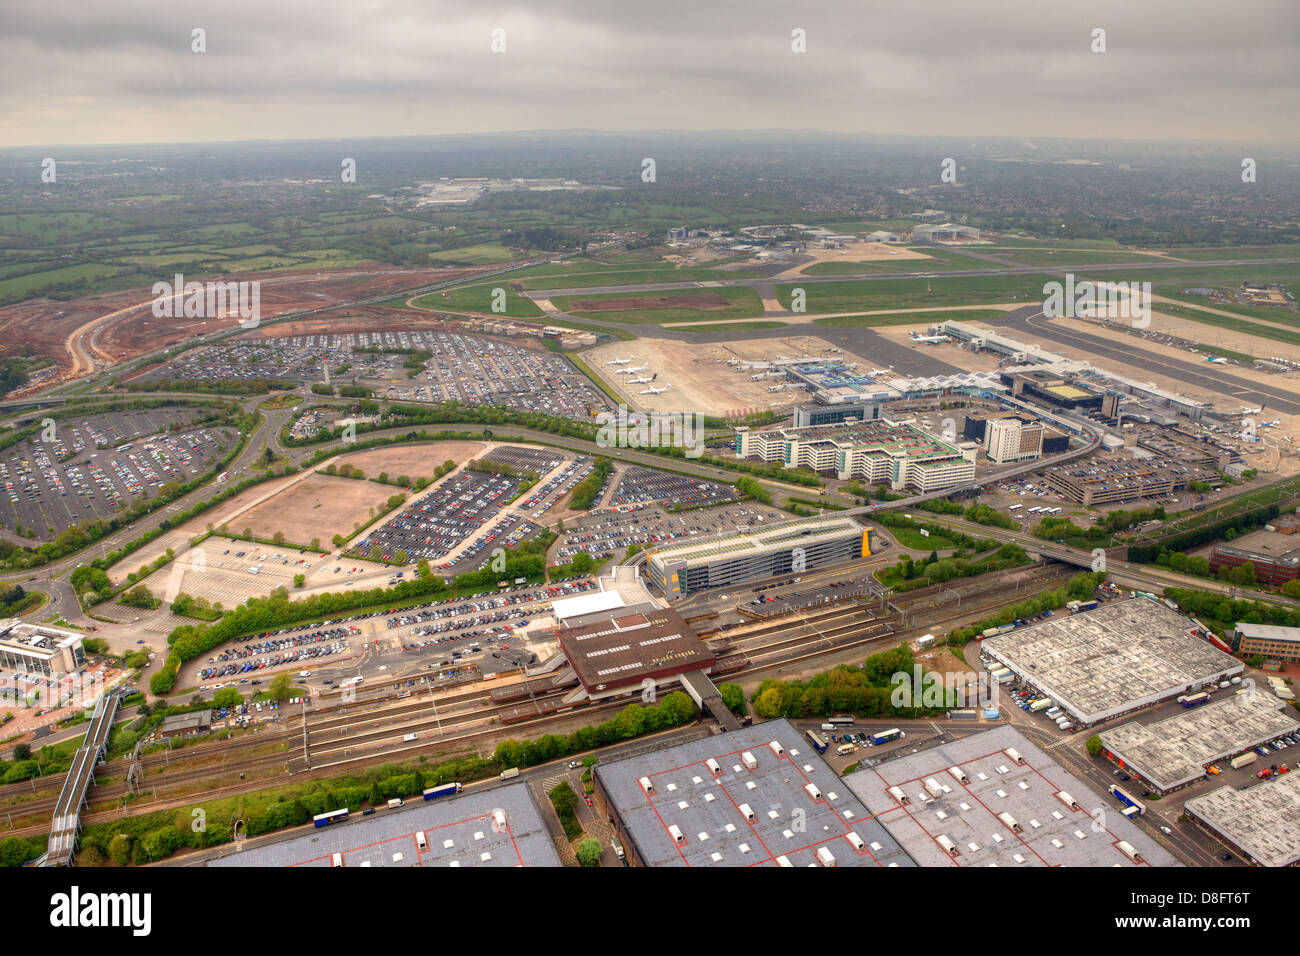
[1032,321]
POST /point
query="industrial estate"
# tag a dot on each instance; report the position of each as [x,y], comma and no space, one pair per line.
[795,515]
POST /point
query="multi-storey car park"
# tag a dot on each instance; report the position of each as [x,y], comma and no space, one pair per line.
[875,452]
[741,558]
[1101,481]
[995,799]
[495,826]
[1173,753]
[757,796]
[1258,823]
[1116,659]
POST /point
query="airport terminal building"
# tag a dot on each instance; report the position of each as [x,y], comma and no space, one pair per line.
[738,559]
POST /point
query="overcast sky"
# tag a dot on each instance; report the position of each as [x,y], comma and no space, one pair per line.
[114,71]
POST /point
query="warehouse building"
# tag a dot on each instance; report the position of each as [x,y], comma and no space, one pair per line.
[758,796]
[945,232]
[1266,640]
[493,826]
[1173,753]
[1111,661]
[1259,823]
[875,452]
[39,648]
[738,559]
[995,799]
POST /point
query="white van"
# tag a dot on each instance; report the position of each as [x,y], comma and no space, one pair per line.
[420,840]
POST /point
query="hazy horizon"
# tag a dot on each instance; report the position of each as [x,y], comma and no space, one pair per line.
[124,73]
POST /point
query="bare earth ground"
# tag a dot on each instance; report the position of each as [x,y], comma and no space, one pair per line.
[700,377]
[126,326]
[321,506]
[856,252]
[414,461]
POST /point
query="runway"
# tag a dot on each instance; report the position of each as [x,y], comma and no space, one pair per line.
[1031,321]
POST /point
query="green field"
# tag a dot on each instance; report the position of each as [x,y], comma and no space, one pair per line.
[884,294]
[478,298]
[486,253]
[912,538]
[744,304]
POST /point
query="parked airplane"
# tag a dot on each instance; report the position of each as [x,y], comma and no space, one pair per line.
[1251,411]
[641,381]
[1272,424]
[656,391]
[632,371]
[1216,359]
[619,361]
[930,339]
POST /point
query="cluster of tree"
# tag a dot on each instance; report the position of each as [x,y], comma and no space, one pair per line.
[936,570]
[867,691]
[1079,588]
[250,386]
[1226,529]
[343,471]
[587,491]
[987,515]
[139,596]
[196,607]
[674,710]
[750,488]
[1222,612]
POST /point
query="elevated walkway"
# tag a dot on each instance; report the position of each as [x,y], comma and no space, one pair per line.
[66,826]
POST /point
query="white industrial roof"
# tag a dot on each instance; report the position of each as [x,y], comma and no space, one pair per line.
[586,604]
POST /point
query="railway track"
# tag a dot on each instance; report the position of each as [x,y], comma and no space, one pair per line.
[826,629]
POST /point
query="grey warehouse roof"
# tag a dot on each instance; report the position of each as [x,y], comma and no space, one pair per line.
[459,831]
[787,819]
[1052,833]
[1115,658]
